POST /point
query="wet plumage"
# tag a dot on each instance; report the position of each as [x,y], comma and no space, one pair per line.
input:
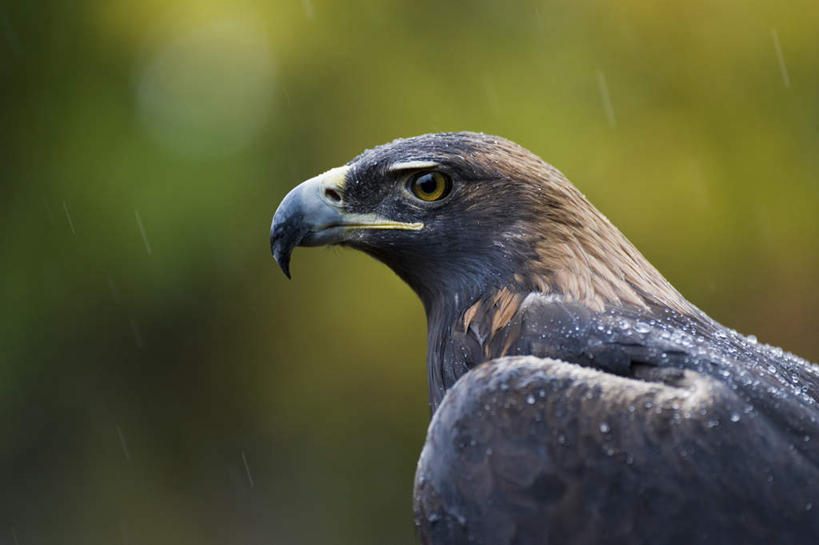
[577,397]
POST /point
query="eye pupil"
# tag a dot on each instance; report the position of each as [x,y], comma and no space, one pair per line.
[430,186]
[427,183]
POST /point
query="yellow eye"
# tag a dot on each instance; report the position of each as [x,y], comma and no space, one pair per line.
[430,186]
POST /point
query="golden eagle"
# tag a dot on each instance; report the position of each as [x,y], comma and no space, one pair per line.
[577,397]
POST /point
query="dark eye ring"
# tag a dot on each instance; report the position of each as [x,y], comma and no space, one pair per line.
[430,186]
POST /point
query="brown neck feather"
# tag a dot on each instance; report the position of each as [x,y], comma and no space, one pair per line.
[583,257]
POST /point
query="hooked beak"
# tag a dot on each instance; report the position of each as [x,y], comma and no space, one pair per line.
[314,214]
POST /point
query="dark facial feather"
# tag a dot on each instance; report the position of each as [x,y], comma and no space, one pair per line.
[512,221]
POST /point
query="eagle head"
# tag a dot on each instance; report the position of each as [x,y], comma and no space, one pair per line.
[465,214]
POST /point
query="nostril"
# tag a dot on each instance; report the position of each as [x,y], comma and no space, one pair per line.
[332,194]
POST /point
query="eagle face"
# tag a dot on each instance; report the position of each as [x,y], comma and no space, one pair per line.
[449,213]
[460,215]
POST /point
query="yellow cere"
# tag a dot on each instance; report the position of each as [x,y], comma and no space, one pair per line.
[335,177]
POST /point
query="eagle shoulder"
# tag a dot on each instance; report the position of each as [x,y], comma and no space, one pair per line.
[533,450]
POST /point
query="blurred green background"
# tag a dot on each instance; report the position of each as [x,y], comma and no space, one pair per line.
[162,382]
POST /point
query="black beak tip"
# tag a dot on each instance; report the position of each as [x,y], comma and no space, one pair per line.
[284,264]
[281,253]
[283,239]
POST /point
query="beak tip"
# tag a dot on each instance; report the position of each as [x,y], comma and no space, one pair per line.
[285,267]
[281,255]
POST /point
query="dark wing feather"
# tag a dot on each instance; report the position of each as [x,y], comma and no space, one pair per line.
[670,430]
[528,450]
